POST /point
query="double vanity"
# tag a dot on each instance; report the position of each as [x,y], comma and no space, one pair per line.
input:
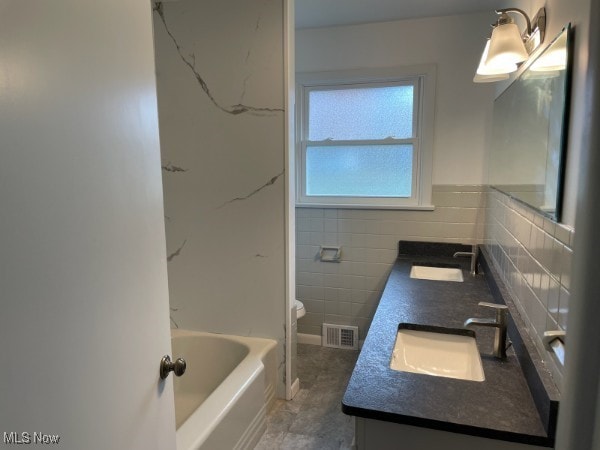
[434,371]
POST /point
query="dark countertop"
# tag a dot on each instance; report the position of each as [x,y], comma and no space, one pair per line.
[501,407]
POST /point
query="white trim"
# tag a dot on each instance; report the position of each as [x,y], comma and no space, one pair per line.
[366,206]
[295,387]
[312,339]
[423,77]
[388,141]
[290,188]
[370,75]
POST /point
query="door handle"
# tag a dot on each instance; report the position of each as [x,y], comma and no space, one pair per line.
[166,365]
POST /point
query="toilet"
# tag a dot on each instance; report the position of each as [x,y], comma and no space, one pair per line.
[300,311]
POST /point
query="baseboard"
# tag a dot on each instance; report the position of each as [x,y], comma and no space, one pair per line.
[295,387]
[312,339]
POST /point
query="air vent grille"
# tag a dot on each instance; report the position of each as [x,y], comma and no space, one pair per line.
[340,336]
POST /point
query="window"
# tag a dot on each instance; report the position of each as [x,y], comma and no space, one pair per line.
[364,138]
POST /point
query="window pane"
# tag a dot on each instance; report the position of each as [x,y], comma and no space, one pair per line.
[362,113]
[360,171]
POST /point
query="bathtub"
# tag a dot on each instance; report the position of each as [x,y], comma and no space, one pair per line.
[222,399]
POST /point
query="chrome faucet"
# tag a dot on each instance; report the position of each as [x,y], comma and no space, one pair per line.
[473,254]
[500,322]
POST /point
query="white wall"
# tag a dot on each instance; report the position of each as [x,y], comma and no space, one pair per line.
[463,109]
[220,76]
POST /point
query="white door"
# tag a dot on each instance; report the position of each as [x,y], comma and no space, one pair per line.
[83,281]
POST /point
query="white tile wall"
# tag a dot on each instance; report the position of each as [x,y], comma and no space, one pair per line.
[348,292]
[533,255]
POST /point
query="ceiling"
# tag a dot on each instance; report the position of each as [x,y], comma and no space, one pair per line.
[326,13]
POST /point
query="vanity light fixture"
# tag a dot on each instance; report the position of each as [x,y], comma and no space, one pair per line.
[487,74]
[554,59]
[508,47]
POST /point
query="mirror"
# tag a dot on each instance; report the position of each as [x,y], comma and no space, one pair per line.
[529,133]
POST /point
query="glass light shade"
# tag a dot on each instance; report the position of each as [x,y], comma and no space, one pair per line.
[489,78]
[552,60]
[506,47]
[486,73]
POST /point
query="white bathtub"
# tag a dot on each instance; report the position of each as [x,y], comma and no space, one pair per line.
[222,399]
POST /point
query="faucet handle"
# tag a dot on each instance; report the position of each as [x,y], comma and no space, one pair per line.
[494,306]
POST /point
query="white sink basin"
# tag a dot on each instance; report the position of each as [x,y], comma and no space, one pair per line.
[440,354]
[436,273]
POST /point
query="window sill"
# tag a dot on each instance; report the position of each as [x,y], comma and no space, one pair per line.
[366,206]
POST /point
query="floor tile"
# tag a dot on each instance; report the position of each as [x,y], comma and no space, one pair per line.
[270,441]
[303,442]
[314,420]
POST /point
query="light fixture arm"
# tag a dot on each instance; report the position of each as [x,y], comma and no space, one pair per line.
[517,10]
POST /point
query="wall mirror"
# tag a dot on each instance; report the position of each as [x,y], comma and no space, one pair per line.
[529,133]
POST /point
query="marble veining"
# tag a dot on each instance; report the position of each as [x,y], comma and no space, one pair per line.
[176,252]
[173,321]
[220,85]
[190,61]
[168,167]
[271,182]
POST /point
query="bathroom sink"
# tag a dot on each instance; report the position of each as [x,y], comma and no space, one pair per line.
[437,351]
[436,273]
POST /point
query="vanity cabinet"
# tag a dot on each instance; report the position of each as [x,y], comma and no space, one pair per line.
[373,434]
[513,407]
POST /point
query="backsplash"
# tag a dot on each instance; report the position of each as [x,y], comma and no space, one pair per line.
[533,255]
[348,292]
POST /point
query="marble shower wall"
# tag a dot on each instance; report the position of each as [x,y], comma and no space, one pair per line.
[220,78]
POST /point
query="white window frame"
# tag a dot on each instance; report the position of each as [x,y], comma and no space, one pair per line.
[423,80]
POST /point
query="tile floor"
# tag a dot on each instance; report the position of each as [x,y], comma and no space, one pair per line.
[314,420]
